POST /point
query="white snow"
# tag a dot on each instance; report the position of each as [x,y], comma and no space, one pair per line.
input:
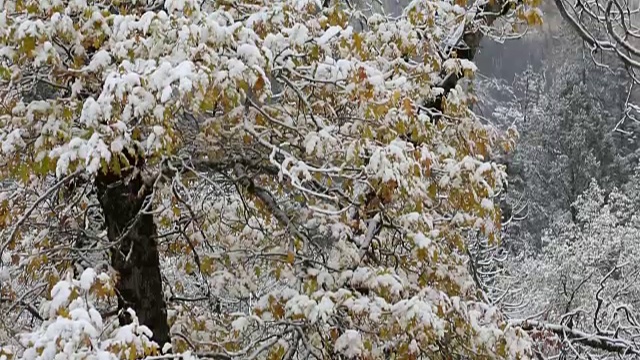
[87,278]
[487,204]
[12,141]
[350,344]
[327,35]
[421,240]
[99,61]
[250,54]
[298,34]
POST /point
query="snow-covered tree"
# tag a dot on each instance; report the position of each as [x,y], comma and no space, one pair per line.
[576,255]
[583,285]
[256,178]
[75,329]
[608,30]
[566,115]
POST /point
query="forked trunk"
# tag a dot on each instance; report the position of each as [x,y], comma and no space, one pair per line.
[135,257]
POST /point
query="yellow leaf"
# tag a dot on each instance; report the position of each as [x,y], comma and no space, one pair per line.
[180,346]
[115,165]
[367,134]
[396,96]
[357,41]
[259,85]
[63,312]
[277,310]
[188,267]
[28,45]
[407,106]
[207,265]
[133,352]
[5,73]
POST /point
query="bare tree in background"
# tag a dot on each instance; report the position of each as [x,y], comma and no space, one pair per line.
[610,29]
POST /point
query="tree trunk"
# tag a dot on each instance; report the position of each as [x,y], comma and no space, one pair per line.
[136,257]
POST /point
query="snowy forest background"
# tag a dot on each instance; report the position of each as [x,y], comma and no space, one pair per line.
[570,243]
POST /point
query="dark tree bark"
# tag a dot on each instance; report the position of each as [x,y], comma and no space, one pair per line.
[468,47]
[135,257]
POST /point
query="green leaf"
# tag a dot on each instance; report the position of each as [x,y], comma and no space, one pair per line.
[28,45]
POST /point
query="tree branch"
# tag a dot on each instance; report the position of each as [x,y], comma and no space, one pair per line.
[600,342]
